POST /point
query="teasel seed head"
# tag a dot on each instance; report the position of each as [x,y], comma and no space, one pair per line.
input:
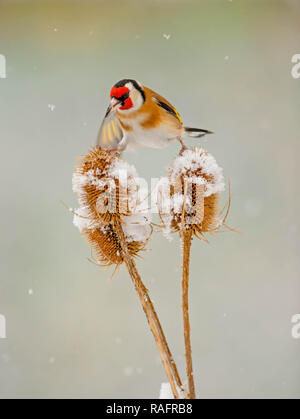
[107,191]
[104,184]
[194,182]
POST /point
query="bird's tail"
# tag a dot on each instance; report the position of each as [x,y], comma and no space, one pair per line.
[196,132]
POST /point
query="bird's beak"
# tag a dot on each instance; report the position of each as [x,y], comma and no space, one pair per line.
[113,104]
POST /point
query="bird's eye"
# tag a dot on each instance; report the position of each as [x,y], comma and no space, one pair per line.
[125,96]
[126,104]
[123,99]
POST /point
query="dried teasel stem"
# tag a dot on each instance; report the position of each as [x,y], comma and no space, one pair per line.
[186,238]
[152,318]
[192,215]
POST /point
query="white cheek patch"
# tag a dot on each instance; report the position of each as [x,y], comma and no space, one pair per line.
[136,98]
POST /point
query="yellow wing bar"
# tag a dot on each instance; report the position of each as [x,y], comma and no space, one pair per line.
[110,133]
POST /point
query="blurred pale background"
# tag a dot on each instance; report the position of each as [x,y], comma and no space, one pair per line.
[73,332]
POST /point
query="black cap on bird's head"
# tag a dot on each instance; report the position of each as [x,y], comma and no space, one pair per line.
[131,84]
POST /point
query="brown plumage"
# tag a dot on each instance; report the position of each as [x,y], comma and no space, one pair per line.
[145,117]
[152,114]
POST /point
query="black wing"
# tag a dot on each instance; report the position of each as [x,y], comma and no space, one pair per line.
[168,108]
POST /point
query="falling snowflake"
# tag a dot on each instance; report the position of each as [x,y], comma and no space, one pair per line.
[128,371]
[118,340]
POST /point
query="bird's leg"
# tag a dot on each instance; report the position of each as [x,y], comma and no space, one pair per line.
[183,146]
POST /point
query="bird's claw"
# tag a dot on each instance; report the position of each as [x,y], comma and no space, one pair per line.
[183,147]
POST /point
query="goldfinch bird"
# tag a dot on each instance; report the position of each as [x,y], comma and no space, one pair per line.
[137,116]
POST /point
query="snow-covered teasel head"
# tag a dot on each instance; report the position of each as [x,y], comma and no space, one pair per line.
[107,191]
[196,181]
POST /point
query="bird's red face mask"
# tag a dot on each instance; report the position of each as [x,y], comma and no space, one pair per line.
[121,95]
